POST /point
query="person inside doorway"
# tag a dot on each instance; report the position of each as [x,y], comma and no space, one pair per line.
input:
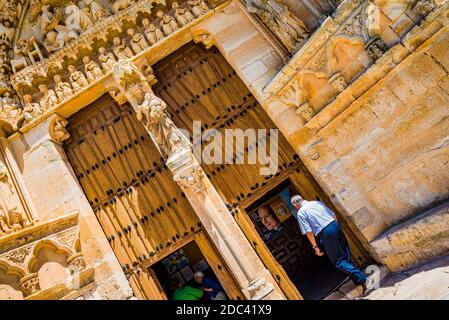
[320,226]
[212,289]
[185,292]
[270,221]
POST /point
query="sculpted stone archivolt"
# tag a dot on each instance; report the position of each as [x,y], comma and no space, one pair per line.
[92,69]
[49,98]
[277,17]
[107,59]
[31,109]
[198,7]
[153,33]
[182,15]
[137,40]
[77,78]
[168,23]
[63,89]
[63,22]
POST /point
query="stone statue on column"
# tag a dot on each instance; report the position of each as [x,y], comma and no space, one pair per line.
[150,109]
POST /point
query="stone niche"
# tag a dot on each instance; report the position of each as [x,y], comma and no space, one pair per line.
[43,261]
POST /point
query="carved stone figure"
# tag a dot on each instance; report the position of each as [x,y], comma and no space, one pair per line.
[31,109]
[20,49]
[77,79]
[55,39]
[8,13]
[49,98]
[152,33]
[78,19]
[121,50]
[168,23]
[63,89]
[10,218]
[138,42]
[120,5]
[97,11]
[290,30]
[106,59]
[199,7]
[58,131]
[9,110]
[92,69]
[152,113]
[49,20]
[52,43]
[183,16]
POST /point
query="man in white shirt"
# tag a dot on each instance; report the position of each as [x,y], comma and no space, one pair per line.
[319,223]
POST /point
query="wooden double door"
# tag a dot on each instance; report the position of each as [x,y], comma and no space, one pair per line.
[200,85]
[143,212]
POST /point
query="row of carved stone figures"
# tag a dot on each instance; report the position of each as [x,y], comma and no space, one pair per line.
[60,26]
[138,42]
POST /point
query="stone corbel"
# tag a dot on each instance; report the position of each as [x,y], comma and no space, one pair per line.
[338,82]
[57,130]
[204,37]
[376,47]
[305,111]
[186,170]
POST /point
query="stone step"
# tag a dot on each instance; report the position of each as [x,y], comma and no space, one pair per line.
[415,241]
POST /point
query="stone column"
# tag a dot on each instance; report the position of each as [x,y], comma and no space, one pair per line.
[253,278]
[55,192]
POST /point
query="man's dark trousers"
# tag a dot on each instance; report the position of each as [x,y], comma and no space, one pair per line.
[334,243]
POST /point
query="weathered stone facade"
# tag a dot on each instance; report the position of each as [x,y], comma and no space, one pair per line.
[360,90]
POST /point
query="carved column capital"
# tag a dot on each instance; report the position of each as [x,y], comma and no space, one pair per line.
[30,284]
[376,47]
[76,263]
[186,170]
[305,111]
[338,82]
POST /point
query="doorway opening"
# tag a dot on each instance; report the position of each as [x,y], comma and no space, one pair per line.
[181,269]
[315,277]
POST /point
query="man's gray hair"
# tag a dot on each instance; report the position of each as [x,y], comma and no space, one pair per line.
[296,199]
[198,274]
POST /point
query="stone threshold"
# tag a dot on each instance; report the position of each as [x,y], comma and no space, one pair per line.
[416,240]
[349,291]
